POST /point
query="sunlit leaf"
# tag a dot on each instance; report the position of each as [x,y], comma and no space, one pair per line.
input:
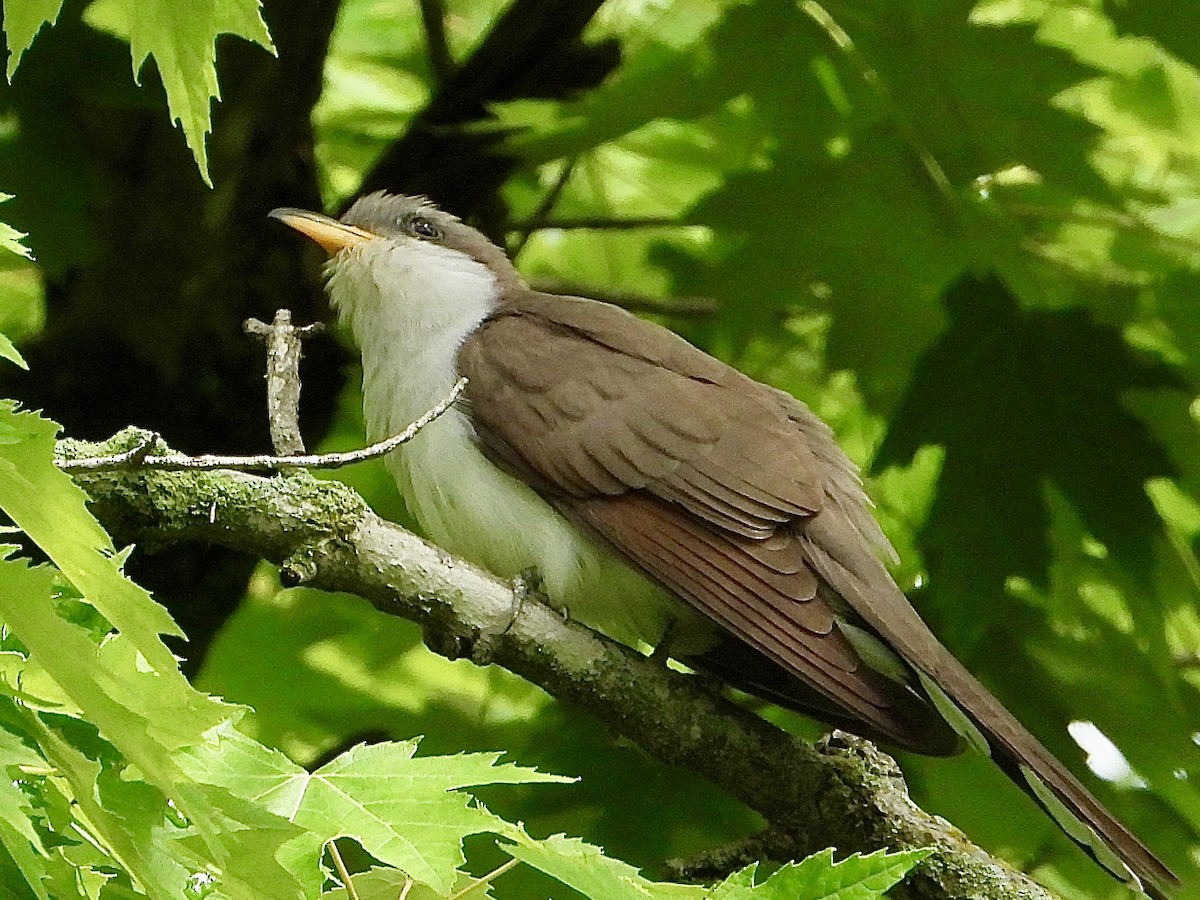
[586,869]
[818,877]
[181,38]
[23,19]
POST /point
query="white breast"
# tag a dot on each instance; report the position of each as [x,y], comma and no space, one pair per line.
[464,503]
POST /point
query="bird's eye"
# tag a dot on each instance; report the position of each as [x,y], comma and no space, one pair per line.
[422,227]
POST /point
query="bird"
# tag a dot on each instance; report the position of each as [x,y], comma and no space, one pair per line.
[662,497]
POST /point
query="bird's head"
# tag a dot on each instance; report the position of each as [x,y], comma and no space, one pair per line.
[397,249]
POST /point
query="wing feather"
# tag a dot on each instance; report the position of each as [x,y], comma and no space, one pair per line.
[797,632]
[694,473]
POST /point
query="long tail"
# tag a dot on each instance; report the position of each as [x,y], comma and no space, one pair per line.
[849,565]
[1032,767]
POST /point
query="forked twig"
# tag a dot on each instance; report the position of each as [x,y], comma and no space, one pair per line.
[343,872]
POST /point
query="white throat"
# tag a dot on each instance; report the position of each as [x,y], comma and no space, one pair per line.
[410,305]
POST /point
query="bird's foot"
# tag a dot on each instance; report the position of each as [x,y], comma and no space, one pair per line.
[526,584]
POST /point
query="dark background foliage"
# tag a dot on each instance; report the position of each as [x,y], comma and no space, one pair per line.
[966,234]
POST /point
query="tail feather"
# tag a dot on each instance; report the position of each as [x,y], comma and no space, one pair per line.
[846,562]
[1035,770]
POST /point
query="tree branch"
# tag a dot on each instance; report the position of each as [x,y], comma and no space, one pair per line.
[843,792]
[532,49]
[437,47]
[523,231]
[543,221]
[684,307]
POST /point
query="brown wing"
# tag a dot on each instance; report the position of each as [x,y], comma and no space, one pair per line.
[736,498]
[696,474]
[617,422]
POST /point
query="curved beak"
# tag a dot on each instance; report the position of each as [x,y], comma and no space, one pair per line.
[331,234]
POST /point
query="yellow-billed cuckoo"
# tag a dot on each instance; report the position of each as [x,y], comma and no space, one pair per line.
[657,489]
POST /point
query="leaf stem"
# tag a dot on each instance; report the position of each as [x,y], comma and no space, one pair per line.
[870,75]
[486,879]
[343,872]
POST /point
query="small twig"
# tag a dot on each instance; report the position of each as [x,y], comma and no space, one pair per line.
[870,75]
[486,879]
[600,223]
[408,883]
[667,306]
[543,209]
[179,461]
[1116,220]
[283,378]
[433,17]
[343,872]
[132,458]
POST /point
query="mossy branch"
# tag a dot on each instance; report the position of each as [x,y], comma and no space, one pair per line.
[843,792]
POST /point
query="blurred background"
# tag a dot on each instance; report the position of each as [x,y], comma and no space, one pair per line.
[968,235]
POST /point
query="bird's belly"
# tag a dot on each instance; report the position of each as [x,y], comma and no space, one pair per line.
[475,510]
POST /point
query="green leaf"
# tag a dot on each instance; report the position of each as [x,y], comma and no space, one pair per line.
[16,830]
[48,506]
[70,878]
[126,817]
[871,197]
[25,594]
[689,65]
[23,19]
[238,843]
[181,37]
[11,353]
[54,855]
[585,868]
[1030,406]
[128,684]
[1172,23]
[388,884]
[322,670]
[10,238]
[818,877]
[1019,399]
[404,810]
